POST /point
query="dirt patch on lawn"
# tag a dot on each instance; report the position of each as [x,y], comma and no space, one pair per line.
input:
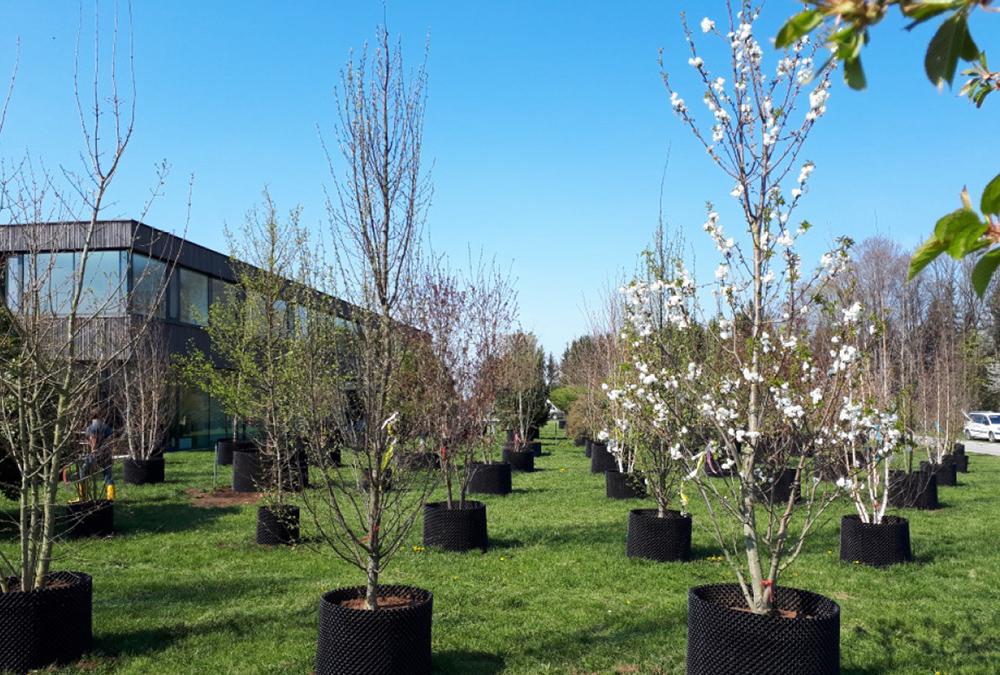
[221,497]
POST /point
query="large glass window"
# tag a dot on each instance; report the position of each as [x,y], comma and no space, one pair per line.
[14,278]
[193,418]
[102,290]
[56,274]
[192,297]
[148,276]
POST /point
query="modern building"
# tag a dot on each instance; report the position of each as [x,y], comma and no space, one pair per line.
[126,267]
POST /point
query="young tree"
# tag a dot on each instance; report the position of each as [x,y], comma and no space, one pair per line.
[465,320]
[377,211]
[767,386]
[523,394]
[142,397]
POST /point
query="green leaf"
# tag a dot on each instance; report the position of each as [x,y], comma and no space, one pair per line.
[854,74]
[984,269]
[928,9]
[958,232]
[951,42]
[797,26]
[990,201]
[925,255]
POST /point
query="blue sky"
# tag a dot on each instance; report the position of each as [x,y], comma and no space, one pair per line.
[547,125]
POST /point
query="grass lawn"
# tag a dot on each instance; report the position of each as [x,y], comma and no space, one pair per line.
[183,589]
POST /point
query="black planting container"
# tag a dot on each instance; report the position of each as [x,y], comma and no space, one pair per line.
[958,449]
[224,450]
[662,539]
[945,472]
[780,490]
[384,642]
[562,424]
[579,441]
[535,447]
[588,448]
[366,480]
[519,461]
[420,461]
[144,471]
[248,472]
[90,519]
[887,543]
[600,459]
[51,625]
[917,490]
[277,525]
[490,479]
[618,485]
[724,640]
[456,529]
[962,463]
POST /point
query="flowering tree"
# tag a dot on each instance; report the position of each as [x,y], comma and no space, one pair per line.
[523,393]
[767,385]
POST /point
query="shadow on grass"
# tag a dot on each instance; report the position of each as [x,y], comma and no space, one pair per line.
[579,535]
[459,661]
[500,542]
[135,518]
[590,637]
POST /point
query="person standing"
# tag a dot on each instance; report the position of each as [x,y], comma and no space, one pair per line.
[100,457]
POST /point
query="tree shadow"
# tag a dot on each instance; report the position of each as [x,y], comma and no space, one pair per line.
[136,518]
[502,542]
[461,661]
[576,535]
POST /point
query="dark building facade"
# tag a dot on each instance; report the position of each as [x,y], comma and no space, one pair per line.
[127,265]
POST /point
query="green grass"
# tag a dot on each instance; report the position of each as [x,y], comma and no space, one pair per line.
[183,589]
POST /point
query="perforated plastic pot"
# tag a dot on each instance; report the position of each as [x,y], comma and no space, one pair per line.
[945,472]
[490,479]
[917,490]
[618,485]
[51,625]
[144,471]
[724,640]
[519,461]
[600,459]
[277,525]
[958,449]
[90,519]
[248,473]
[224,450]
[780,490]
[579,441]
[456,529]
[535,447]
[887,543]
[381,642]
[419,461]
[588,448]
[664,539]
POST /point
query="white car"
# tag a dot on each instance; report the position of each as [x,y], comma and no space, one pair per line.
[983,425]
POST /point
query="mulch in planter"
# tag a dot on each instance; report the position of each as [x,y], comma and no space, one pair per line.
[803,638]
[90,519]
[51,625]
[490,479]
[519,461]
[946,472]
[277,525]
[916,490]
[600,459]
[389,641]
[664,539]
[887,543]
[456,529]
[144,471]
[618,485]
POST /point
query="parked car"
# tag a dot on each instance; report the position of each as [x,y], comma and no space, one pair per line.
[983,425]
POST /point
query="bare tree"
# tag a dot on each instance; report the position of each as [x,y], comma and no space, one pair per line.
[142,397]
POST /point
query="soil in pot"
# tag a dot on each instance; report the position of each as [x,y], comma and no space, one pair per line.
[887,543]
[456,529]
[277,525]
[144,471]
[600,459]
[248,472]
[50,625]
[945,472]
[90,519]
[802,638]
[224,450]
[519,461]
[490,479]
[662,539]
[618,485]
[917,490]
[392,640]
